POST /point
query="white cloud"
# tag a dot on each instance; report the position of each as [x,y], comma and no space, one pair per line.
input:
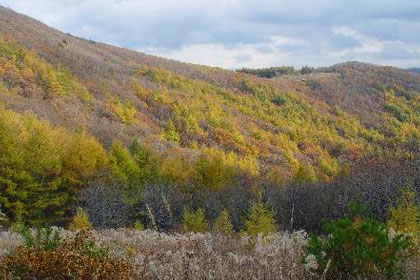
[241,55]
[282,40]
[236,56]
[367,44]
[386,52]
[232,56]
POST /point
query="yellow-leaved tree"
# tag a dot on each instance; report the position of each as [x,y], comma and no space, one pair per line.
[222,224]
[260,221]
[80,220]
[405,216]
[194,221]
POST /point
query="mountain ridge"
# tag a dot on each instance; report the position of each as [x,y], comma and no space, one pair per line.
[415,70]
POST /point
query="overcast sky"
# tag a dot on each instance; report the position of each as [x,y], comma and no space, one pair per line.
[244,33]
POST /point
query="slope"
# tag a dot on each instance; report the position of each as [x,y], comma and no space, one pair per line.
[308,126]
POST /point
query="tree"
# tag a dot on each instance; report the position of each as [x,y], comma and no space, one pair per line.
[222,224]
[147,160]
[194,221]
[260,221]
[125,168]
[305,173]
[215,169]
[138,226]
[171,132]
[358,248]
[42,168]
[163,206]
[306,70]
[405,217]
[83,155]
[80,220]
[3,218]
[104,203]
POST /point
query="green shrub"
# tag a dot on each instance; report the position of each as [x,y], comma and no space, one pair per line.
[194,221]
[396,111]
[45,239]
[361,248]
[278,100]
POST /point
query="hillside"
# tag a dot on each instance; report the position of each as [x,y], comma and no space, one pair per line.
[193,126]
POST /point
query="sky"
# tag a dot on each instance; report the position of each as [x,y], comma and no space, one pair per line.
[244,33]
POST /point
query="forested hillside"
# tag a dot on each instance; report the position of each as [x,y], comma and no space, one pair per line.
[84,123]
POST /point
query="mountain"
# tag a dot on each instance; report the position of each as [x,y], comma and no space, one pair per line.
[202,126]
[415,70]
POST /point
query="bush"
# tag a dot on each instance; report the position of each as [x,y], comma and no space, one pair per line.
[124,110]
[46,239]
[260,221]
[138,226]
[80,220]
[194,221]
[171,132]
[361,248]
[396,111]
[76,258]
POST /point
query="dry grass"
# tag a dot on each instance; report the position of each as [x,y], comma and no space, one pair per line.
[203,256]
[207,256]
[197,256]
[9,241]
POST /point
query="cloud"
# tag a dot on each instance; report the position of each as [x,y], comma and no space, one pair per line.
[237,33]
[278,51]
[367,44]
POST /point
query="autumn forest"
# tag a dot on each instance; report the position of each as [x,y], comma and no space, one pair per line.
[98,136]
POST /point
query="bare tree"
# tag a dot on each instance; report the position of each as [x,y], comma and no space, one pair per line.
[105,205]
[3,218]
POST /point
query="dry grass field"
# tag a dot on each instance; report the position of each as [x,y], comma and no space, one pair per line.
[204,256]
